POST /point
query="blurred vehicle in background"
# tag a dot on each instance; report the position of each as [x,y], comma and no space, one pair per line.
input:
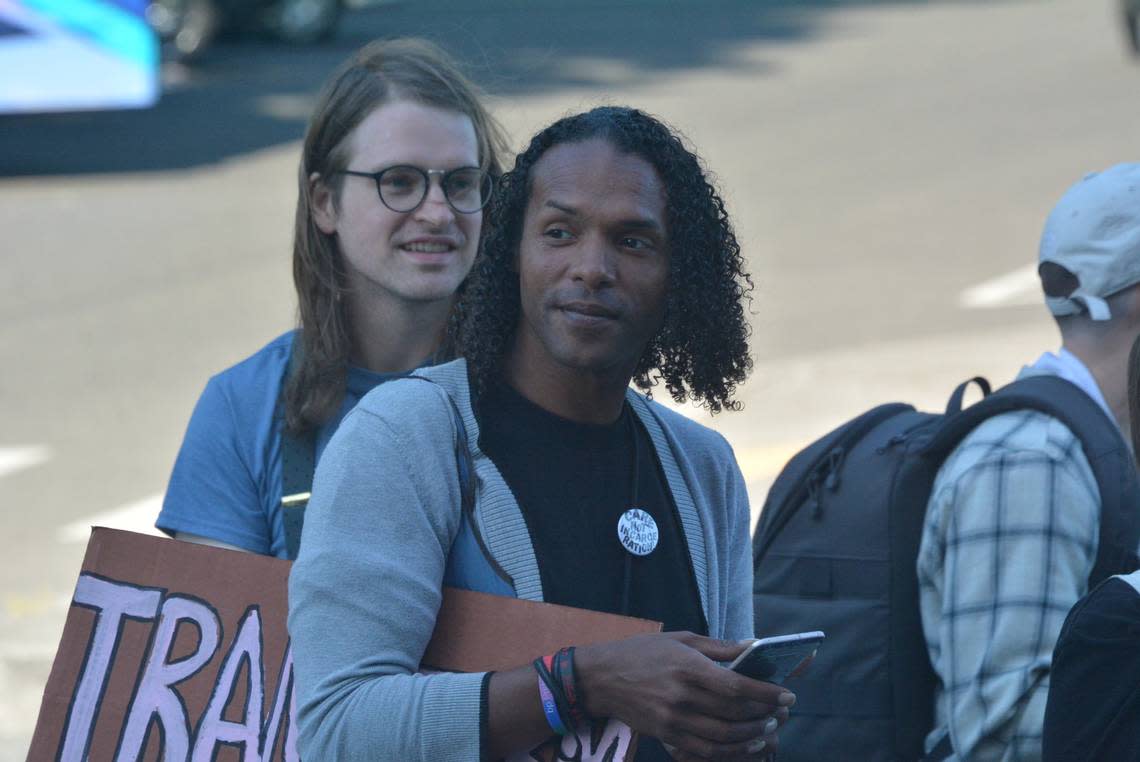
[76,55]
[186,27]
[1130,15]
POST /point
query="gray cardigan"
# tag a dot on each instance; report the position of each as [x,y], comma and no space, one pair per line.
[365,590]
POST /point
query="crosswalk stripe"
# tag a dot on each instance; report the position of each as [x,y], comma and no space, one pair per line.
[13,459]
[1020,287]
[137,516]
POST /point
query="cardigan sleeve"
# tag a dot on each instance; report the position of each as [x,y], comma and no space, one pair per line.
[366,588]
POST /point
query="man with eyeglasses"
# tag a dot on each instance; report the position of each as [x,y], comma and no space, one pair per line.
[397,165]
[403,188]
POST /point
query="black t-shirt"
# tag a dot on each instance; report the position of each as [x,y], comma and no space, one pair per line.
[573,482]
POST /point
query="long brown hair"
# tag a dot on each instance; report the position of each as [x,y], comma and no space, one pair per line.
[380,72]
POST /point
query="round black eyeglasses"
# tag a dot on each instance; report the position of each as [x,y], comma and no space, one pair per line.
[403,188]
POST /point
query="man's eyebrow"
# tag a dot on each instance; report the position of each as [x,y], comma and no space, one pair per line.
[635,223]
[642,223]
[565,208]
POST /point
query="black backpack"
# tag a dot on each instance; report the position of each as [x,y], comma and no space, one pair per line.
[836,546]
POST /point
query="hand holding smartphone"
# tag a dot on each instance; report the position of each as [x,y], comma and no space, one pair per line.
[777,658]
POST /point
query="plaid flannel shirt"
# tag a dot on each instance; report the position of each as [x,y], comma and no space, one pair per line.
[1009,542]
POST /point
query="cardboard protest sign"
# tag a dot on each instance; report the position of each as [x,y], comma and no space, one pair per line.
[474,633]
[177,651]
[171,651]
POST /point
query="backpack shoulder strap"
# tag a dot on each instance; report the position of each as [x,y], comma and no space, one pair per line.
[1104,447]
[298,463]
[1051,395]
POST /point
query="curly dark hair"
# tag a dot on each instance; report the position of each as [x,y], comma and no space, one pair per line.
[701,350]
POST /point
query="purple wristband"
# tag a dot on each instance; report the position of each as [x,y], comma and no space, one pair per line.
[550,708]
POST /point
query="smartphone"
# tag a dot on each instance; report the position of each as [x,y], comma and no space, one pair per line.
[777,658]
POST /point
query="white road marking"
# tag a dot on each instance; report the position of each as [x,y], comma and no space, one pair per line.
[1018,288]
[13,459]
[138,516]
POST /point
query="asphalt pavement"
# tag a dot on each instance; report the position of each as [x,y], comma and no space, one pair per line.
[888,167]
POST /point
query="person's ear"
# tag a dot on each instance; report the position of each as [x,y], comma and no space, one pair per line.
[322,204]
[1125,306]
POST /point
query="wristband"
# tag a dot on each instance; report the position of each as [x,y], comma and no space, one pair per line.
[547,667]
[561,700]
[567,679]
[550,708]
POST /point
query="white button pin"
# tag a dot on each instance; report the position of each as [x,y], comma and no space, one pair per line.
[638,532]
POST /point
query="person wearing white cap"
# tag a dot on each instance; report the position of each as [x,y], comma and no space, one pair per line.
[1096,665]
[1011,530]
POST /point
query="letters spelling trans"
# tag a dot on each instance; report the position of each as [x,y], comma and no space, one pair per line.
[155,700]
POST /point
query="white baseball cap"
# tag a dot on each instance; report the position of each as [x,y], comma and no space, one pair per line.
[1092,240]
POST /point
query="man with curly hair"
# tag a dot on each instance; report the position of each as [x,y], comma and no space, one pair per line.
[610,260]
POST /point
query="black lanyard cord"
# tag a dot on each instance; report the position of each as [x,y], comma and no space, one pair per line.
[627,574]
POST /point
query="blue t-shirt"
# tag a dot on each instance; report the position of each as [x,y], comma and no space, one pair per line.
[226,483]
